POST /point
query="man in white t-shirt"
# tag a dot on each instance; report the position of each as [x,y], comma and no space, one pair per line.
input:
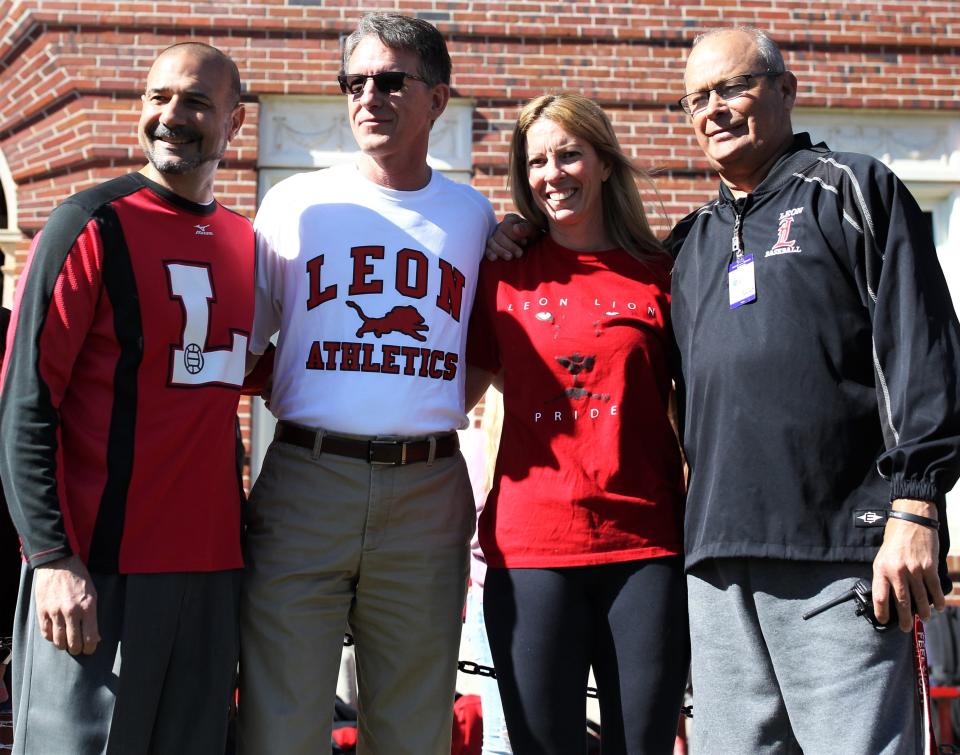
[363,510]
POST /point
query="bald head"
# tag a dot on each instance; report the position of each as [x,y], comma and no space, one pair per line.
[191,112]
[767,53]
[208,54]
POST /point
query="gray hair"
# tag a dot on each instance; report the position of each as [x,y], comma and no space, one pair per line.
[404,33]
[768,53]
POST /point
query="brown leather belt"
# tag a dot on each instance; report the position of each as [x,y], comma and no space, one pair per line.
[392,452]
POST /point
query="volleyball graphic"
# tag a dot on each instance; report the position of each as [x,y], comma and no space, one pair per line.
[193,358]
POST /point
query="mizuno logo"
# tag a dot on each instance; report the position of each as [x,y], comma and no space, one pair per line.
[202,230]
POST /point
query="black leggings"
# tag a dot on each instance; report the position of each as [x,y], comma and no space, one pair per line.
[627,620]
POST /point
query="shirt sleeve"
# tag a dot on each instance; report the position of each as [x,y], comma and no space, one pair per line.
[482,347]
[916,335]
[491,219]
[268,293]
[55,306]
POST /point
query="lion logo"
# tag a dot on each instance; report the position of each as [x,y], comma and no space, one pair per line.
[401,319]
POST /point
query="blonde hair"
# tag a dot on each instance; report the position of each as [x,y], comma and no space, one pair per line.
[624,218]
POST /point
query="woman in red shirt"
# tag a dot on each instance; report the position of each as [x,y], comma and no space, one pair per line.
[582,528]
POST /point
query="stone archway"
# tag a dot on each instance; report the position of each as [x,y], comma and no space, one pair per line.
[10,235]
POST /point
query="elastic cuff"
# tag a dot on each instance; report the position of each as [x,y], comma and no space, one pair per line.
[906,516]
[917,490]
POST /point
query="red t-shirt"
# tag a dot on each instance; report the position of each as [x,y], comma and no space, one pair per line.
[589,468]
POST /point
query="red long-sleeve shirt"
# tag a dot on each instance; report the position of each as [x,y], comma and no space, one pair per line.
[121,382]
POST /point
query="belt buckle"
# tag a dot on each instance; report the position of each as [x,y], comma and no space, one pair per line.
[384,443]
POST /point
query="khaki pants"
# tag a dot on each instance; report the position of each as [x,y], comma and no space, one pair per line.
[331,539]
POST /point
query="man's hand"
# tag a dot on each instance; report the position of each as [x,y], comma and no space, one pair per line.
[66,603]
[907,564]
[259,375]
[509,237]
[251,362]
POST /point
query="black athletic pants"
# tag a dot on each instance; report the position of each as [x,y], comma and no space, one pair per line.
[548,626]
[159,683]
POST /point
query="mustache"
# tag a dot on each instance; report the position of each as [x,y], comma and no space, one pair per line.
[159,131]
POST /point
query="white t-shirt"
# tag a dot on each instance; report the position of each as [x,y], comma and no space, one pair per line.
[371,290]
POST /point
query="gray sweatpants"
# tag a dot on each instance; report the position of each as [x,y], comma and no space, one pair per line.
[159,682]
[766,681]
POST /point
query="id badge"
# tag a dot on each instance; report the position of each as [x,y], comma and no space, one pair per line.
[743,285]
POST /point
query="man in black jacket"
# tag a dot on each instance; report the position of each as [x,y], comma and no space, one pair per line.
[820,356]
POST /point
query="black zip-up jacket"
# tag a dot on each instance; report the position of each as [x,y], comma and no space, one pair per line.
[834,392]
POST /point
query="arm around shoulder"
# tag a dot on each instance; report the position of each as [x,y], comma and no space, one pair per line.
[510,238]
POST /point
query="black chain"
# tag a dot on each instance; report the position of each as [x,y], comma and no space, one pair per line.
[478,669]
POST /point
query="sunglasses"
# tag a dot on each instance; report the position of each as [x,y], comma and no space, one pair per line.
[386,82]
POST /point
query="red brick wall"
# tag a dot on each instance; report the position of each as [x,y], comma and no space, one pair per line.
[71,73]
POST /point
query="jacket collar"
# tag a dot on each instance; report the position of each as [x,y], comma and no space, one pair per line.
[799,156]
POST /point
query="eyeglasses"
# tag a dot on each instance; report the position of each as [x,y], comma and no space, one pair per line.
[386,82]
[730,89]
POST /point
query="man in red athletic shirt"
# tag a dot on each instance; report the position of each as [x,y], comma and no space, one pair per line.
[119,394]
